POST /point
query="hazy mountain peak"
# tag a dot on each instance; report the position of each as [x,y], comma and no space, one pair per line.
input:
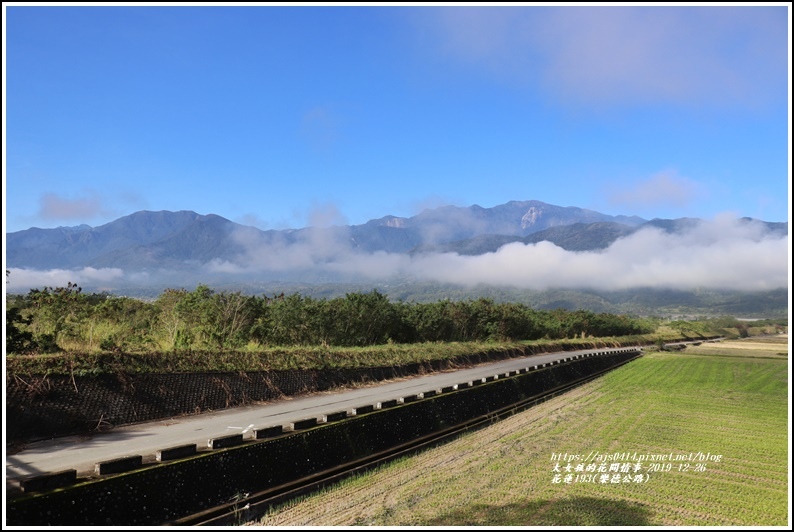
[389,221]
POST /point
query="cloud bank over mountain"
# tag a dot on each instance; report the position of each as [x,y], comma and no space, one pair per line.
[650,258]
[720,253]
[723,253]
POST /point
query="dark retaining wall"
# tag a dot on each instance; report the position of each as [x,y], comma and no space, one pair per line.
[158,494]
[41,407]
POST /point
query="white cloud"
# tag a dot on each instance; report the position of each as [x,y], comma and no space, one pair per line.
[721,253]
[664,189]
[326,215]
[252,220]
[617,55]
[23,278]
[54,207]
[286,252]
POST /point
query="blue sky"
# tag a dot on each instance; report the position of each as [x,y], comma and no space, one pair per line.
[284,117]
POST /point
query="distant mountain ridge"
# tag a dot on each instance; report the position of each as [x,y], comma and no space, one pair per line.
[166,239]
[142,239]
[174,240]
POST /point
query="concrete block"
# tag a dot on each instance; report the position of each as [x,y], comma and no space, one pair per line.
[225,441]
[391,403]
[429,393]
[119,465]
[335,416]
[49,481]
[447,389]
[412,398]
[268,432]
[172,453]
[366,409]
[305,423]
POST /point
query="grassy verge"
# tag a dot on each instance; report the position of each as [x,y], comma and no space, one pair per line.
[729,400]
[282,358]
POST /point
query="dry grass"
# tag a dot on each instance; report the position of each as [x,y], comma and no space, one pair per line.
[766,346]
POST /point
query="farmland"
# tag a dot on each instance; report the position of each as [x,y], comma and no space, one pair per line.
[707,426]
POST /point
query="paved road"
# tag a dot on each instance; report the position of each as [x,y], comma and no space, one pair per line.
[83,452]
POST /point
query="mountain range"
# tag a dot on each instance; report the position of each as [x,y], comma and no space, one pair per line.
[172,240]
[166,239]
[184,248]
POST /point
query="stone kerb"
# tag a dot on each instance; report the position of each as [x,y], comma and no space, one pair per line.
[304,423]
[225,441]
[268,432]
[391,403]
[172,453]
[49,481]
[118,465]
[335,416]
[364,409]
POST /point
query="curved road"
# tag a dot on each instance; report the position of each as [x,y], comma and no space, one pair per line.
[82,453]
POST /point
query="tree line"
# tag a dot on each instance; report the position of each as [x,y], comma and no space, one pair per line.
[66,318]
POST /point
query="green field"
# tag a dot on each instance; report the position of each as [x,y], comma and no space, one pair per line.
[727,400]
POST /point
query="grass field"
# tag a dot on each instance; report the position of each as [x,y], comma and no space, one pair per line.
[728,400]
